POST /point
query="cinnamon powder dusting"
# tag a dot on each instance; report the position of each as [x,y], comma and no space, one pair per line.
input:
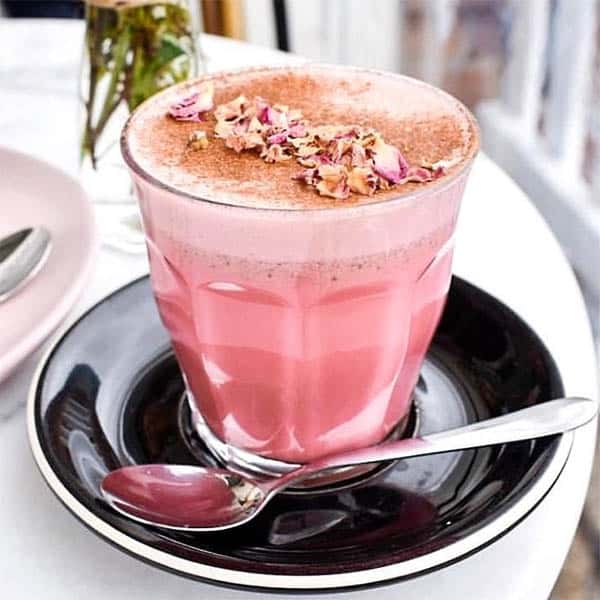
[432,134]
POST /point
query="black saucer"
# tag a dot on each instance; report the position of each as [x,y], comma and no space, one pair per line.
[109,394]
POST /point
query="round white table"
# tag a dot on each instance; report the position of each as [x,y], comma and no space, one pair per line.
[504,247]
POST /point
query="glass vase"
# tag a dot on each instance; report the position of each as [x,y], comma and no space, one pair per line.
[132,49]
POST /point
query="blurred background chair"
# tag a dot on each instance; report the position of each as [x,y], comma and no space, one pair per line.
[544,128]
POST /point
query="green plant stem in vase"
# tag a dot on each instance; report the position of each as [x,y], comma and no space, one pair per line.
[133,49]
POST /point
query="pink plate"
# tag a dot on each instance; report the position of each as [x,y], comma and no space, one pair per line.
[34,193]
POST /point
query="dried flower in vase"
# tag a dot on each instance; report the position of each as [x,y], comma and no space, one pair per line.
[134,48]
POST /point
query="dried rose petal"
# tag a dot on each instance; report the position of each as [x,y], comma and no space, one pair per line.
[362,180]
[347,132]
[443,164]
[183,106]
[418,175]
[231,110]
[269,116]
[315,160]
[186,101]
[324,159]
[340,158]
[275,153]
[223,129]
[422,174]
[235,142]
[298,142]
[341,191]
[333,181]
[279,120]
[307,150]
[255,125]
[309,176]
[240,127]
[358,155]
[346,161]
[326,133]
[383,184]
[246,141]
[277,138]
[368,139]
[309,161]
[338,147]
[193,107]
[388,162]
[297,130]
[265,115]
[254,140]
[185,114]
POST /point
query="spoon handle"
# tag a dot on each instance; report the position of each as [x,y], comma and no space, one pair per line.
[548,418]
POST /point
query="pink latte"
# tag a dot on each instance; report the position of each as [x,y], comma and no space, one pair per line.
[300,322]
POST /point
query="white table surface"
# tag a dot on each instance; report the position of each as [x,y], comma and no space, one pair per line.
[504,247]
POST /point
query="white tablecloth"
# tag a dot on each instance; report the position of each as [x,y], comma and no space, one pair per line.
[504,247]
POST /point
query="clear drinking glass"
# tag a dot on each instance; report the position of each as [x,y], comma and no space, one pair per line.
[299,332]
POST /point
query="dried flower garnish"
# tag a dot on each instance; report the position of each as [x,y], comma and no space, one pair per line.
[231,110]
[358,156]
[245,141]
[308,176]
[223,129]
[421,175]
[278,138]
[362,180]
[310,152]
[333,181]
[339,159]
[338,147]
[327,133]
[275,153]
[298,130]
[193,107]
[272,117]
[197,140]
[388,162]
[443,164]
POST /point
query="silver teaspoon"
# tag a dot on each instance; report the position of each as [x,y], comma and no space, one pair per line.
[193,498]
[22,255]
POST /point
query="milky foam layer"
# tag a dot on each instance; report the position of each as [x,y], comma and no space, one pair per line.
[426,124]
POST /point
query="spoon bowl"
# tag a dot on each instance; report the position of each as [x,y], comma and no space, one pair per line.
[206,498]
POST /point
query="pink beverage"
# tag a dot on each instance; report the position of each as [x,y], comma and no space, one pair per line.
[300,321]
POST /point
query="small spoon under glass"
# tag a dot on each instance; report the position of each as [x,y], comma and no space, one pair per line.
[191,498]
